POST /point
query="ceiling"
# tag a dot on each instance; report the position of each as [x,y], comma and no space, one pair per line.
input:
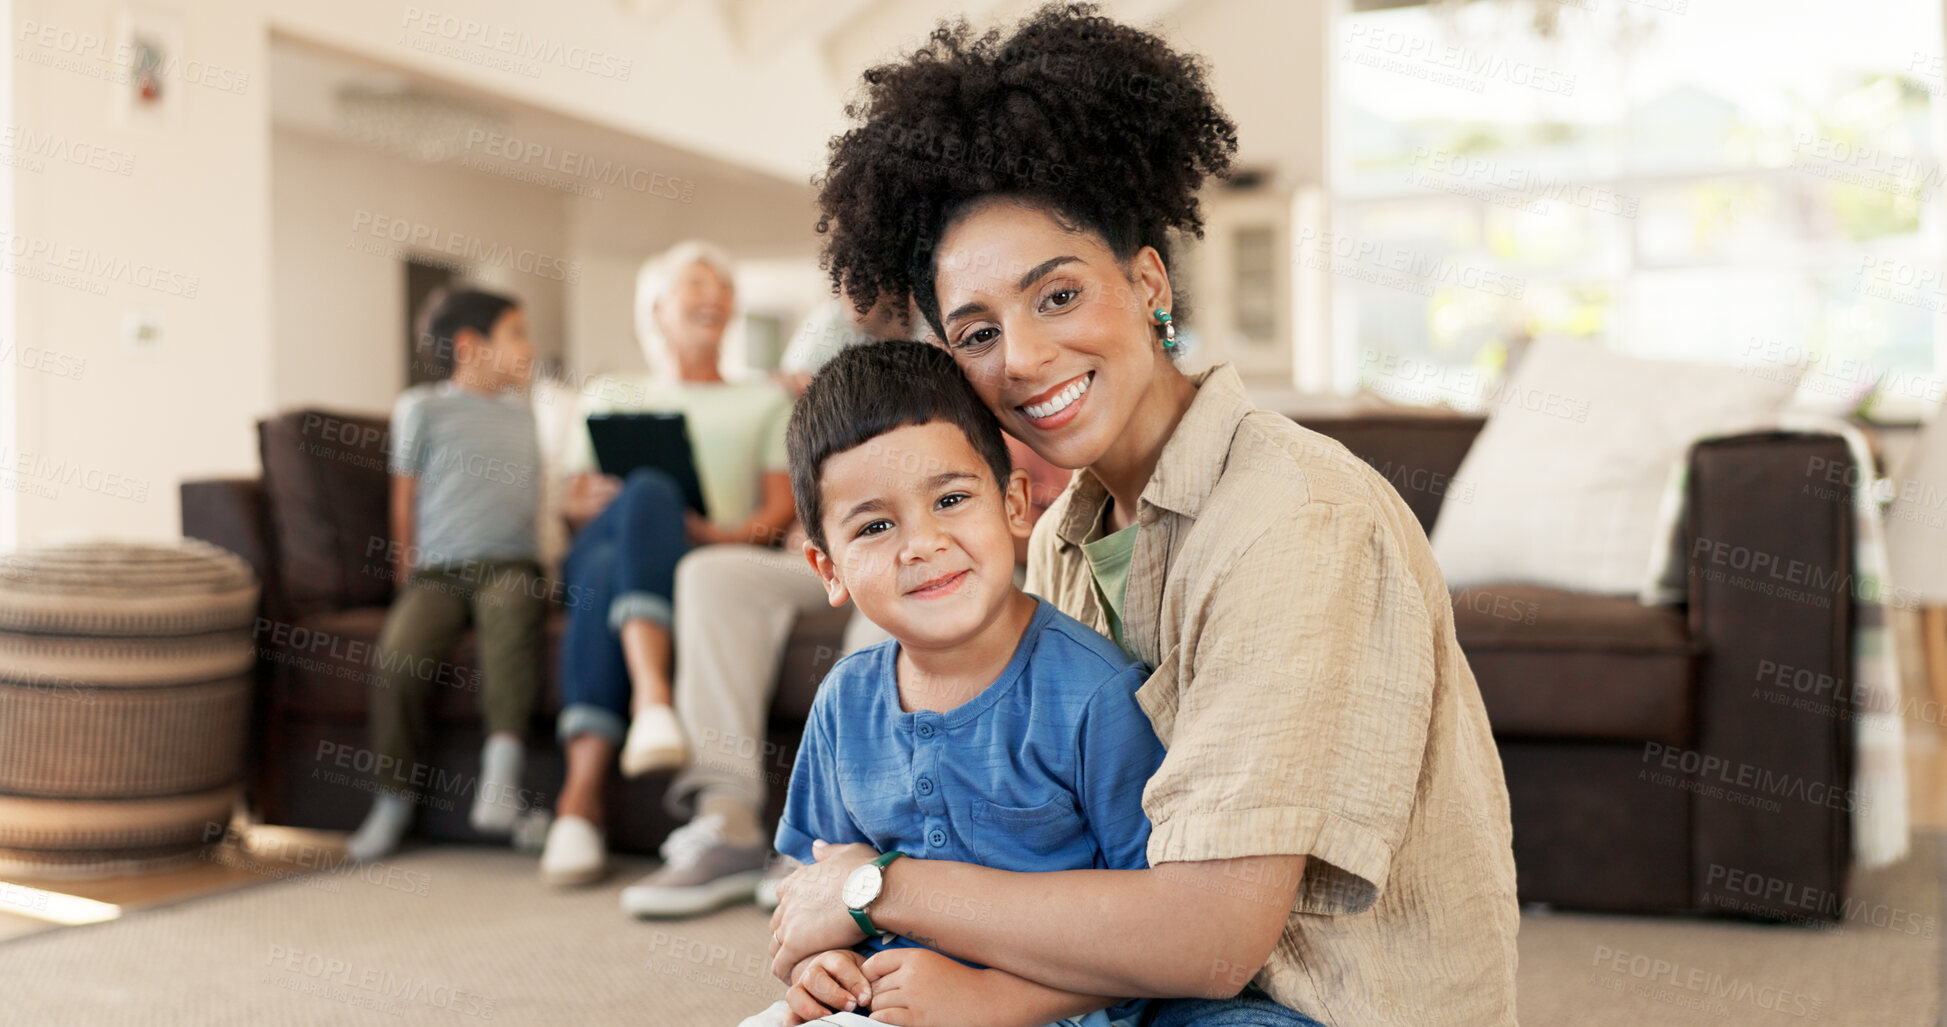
[333,94]
[758,73]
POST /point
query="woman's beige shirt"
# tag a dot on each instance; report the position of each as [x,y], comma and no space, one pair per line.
[1314,702]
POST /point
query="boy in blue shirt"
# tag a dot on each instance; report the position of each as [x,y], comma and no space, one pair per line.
[991,729]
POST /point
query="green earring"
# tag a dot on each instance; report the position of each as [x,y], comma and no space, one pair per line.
[1169,330]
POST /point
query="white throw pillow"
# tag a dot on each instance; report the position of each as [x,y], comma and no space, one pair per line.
[1568,472]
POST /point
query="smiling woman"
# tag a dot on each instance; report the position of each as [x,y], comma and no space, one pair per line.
[1306,680]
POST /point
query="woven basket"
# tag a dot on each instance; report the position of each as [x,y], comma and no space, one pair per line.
[124,695]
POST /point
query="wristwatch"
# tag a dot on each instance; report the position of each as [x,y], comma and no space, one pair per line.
[862,888]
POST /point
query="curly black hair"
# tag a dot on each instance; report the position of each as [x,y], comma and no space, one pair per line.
[1101,124]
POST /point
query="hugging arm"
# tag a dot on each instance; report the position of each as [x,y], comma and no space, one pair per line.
[1180,929]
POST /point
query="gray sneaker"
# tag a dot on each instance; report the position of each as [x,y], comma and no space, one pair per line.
[700,872]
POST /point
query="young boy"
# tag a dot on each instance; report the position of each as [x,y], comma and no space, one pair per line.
[991,729]
[466,491]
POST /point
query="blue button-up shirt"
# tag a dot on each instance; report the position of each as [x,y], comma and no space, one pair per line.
[1044,770]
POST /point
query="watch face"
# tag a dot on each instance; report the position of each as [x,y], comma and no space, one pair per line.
[861,886]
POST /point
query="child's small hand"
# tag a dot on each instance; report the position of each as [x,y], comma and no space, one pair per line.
[828,982]
[921,988]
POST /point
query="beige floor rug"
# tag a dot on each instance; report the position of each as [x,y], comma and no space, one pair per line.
[468,936]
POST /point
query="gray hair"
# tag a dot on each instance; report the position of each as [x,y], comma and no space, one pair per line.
[652,283]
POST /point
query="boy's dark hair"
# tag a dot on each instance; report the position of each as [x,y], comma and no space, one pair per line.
[1101,124]
[870,389]
[445,313]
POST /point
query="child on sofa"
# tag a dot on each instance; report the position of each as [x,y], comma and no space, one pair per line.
[991,729]
[466,491]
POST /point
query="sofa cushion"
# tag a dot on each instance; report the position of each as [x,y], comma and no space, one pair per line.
[1561,665]
[1568,474]
[326,481]
[810,652]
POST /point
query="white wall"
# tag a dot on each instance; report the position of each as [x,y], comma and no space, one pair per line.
[339,309]
[613,236]
[9,393]
[102,452]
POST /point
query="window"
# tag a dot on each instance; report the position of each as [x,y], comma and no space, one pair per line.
[1718,182]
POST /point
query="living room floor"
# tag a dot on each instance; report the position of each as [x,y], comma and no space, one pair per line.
[453,934]
[458,934]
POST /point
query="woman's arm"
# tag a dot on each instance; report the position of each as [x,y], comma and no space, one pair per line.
[1179,929]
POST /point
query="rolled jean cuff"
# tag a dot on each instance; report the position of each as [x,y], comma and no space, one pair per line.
[589,719]
[639,606]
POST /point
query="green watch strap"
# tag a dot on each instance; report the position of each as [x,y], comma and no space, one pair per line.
[858,915]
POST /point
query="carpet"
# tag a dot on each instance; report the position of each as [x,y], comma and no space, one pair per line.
[454,935]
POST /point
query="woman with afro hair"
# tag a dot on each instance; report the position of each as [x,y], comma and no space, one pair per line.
[1330,838]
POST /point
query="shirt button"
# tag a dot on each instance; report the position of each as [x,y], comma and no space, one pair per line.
[926,730]
[936,838]
[925,786]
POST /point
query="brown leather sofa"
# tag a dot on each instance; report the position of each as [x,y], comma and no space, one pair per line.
[1654,760]
[1650,762]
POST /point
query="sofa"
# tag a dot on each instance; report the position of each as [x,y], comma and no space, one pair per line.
[1654,760]
[1616,722]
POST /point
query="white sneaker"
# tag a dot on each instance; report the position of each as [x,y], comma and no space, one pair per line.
[781,867]
[574,853]
[700,872]
[531,830]
[655,742]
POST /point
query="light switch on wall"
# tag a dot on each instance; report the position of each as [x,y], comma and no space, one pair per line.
[142,330]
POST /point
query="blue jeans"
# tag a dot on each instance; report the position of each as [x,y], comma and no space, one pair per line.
[1099,1018]
[1252,1008]
[622,568]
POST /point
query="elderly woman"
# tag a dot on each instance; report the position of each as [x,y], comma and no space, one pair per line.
[629,535]
[1330,840]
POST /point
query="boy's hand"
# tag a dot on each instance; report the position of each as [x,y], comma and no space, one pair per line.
[921,988]
[828,982]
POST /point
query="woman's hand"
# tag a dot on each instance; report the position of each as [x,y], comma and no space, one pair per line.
[810,917]
[828,982]
[588,495]
[704,531]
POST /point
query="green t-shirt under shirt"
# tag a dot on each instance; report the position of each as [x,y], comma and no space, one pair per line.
[1108,563]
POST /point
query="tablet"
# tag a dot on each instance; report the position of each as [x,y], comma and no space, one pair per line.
[628,442]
